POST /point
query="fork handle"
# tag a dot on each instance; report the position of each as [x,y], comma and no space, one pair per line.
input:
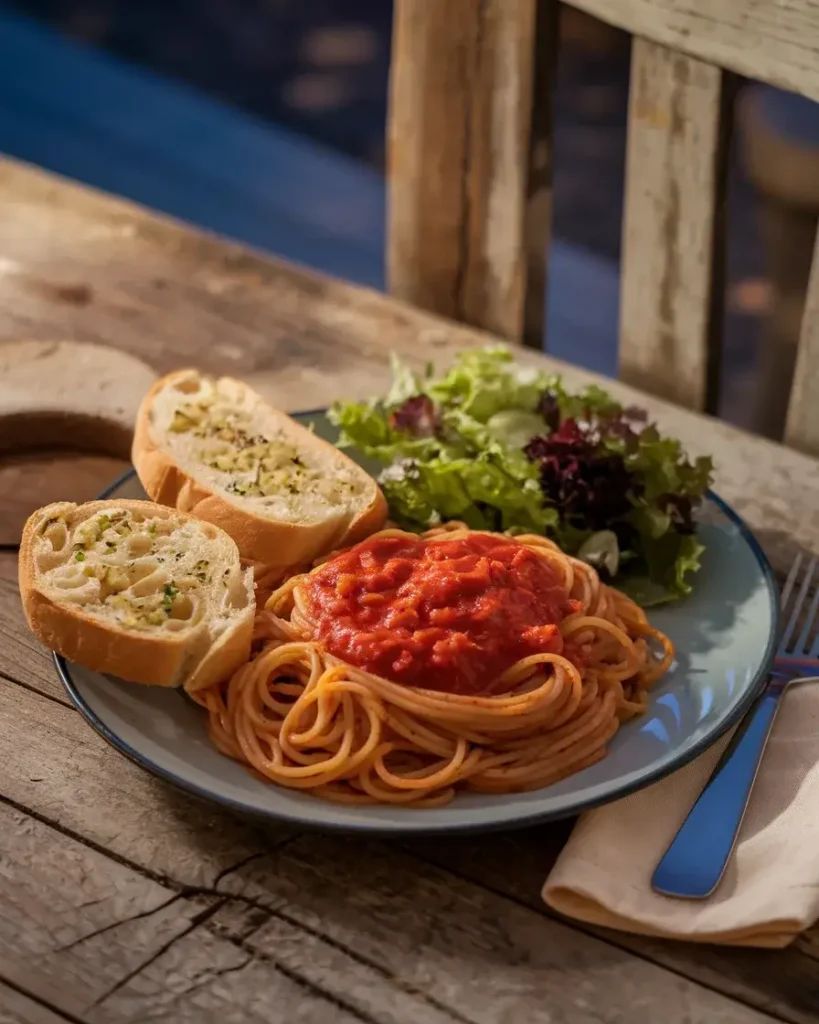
[696,860]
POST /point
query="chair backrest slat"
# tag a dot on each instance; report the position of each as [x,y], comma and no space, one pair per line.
[470,160]
[771,41]
[676,171]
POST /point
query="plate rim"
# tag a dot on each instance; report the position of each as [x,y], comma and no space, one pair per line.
[418,828]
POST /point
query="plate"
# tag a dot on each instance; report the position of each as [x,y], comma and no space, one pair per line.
[724,635]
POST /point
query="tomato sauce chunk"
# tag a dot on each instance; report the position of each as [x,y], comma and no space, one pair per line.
[446,615]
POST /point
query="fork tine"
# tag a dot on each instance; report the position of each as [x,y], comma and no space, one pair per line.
[793,621]
[790,581]
[801,646]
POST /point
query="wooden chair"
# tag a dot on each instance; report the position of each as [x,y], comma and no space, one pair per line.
[470,157]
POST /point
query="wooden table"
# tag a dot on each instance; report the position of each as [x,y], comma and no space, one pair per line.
[123,900]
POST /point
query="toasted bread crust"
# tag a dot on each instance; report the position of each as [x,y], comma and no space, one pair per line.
[157,660]
[276,545]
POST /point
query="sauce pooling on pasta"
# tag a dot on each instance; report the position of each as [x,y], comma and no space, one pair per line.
[446,615]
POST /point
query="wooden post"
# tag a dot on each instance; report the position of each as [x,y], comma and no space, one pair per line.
[470,160]
[673,228]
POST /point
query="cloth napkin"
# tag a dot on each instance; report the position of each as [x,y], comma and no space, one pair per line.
[770,891]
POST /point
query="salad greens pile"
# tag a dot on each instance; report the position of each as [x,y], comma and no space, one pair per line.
[503,447]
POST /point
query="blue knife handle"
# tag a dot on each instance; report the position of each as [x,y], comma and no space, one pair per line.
[696,860]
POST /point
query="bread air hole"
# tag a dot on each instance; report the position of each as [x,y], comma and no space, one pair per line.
[139,544]
[145,578]
[187,387]
[182,608]
[236,594]
[57,535]
[69,581]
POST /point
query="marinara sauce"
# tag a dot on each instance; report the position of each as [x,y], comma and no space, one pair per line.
[448,615]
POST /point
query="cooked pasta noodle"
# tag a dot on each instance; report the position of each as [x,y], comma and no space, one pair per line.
[301,717]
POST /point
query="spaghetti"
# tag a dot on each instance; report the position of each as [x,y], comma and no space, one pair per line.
[303,717]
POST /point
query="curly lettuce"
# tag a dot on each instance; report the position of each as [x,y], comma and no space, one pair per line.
[504,447]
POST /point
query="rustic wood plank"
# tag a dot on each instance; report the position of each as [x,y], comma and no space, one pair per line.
[773,43]
[74,922]
[802,429]
[508,178]
[479,955]
[18,1008]
[268,960]
[57,767]
[470,160]
[432,49]
[784,983]
[205,977]
[673,226]
[97,941]
[23,658]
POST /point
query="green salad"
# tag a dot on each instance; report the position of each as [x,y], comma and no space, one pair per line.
[507,448]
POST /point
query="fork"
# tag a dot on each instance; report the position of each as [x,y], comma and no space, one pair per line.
[696,860]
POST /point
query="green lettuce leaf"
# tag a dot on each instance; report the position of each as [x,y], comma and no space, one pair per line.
[666,565]
[474,468]
[487,381]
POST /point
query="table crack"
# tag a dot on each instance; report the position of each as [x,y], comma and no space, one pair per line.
[51,1007]
[117,924]
[274,911]
[194,922]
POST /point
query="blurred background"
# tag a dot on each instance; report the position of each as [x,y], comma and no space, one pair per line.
[264,120]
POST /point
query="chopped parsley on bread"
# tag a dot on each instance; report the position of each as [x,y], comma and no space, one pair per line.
[138,591]
[216,449]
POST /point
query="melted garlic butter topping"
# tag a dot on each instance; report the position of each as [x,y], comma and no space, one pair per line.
[252,461]
[139,570]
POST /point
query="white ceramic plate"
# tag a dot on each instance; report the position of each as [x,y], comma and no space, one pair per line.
[724,635]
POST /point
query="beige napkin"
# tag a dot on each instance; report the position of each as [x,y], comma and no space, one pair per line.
[770,892]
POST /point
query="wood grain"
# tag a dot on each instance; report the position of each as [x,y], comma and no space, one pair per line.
[103,943]
[22,657]
[62,394]
[802,427]
[470,160]
[18,1008]
[784,983]
[69,912]
[246,961]
[477,954]
[777,43]
[205,977]
[62,771]
[673,230]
